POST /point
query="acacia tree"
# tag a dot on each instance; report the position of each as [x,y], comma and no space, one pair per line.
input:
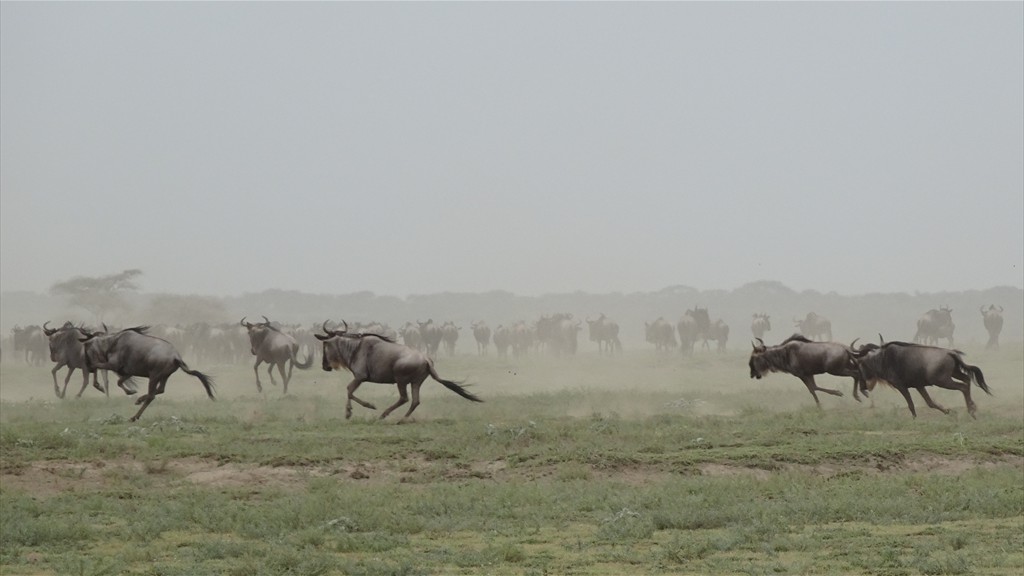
[98,295]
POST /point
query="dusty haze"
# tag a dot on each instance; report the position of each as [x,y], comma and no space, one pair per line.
[420,148]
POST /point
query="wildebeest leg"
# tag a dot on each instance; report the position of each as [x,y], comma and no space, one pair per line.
[403,397]
[910,401]
[931,403]
[270,370]
[85,382]
[964,387]
[812,387]
[415,399]
[56,388]
[67,379]
[352,396]
[291,367]
[146,399]
[284,377]
[120,384]
[256,370]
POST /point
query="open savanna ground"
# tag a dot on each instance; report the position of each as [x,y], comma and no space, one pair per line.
[639,464]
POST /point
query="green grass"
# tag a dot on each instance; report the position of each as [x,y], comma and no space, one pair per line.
[586,465]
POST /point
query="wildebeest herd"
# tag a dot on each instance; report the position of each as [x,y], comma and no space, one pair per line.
[372,352]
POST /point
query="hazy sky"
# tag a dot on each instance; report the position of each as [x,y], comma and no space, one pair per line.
[410,148]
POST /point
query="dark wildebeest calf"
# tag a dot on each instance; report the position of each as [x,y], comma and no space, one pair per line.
[270,345]
[132,352]
[373,358]
[804,359]
[904,366]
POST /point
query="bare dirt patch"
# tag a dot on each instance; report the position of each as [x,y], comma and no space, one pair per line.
[54,477]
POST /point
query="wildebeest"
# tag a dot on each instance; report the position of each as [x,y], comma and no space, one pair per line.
[803,358]
[430,335]
[815,327]
[32,340]
[605,332]
[66,349]
[372,358]
[449,336]
[935,324]
[559,333]
[502,340]
[270,345]
[132,352]
[411,336]
[688,332]
[661,334]
[903,366]
[482,335]
[701,325]
[993,319]
[719,333]
[760,324]
[522,337]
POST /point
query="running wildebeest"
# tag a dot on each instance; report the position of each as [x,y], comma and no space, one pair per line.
[815,327]
[430,336]
[449,336]
[132,352]
[903,366]
[993,319]
[661,334]
[760,324]
[804,359]
[373,358]
[688,332]
[935,324]
[482,335]
[605,332]
[32,340]
[270,345]
[66,349]
[719,332]
[502,340]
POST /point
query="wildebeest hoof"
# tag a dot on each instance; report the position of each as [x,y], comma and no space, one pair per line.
[131,392]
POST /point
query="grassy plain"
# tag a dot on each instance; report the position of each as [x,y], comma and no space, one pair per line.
[637,464]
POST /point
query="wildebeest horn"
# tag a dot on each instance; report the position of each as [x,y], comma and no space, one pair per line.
[46,330]
[880,339]
[244,323]
[1000,309]
[266,320]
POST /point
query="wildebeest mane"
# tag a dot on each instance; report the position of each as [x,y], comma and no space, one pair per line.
[140,329]
[796,338]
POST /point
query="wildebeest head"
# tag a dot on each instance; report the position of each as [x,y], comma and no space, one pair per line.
[61,339]
[759,365]
[329,360]
[257,332]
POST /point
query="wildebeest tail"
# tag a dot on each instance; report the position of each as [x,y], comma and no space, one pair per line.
[972,372]
[206,380]
[453,386]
